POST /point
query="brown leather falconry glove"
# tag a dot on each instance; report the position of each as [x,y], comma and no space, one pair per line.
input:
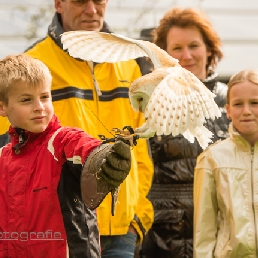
[104,170]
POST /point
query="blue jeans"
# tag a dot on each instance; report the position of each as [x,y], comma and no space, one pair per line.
[120,246]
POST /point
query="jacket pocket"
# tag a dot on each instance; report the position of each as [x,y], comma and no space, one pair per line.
[3,253]
[50,249]
[3,248]
[168,222]
[166,237]
[168,216]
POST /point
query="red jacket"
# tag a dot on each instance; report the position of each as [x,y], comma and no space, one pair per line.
[41,211]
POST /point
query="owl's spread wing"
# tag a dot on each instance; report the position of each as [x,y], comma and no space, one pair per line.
[179,105]
[100,47]
[108,47]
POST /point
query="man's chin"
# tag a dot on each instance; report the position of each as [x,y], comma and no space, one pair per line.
[90,28]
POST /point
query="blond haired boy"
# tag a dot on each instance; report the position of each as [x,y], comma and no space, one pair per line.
[43,213]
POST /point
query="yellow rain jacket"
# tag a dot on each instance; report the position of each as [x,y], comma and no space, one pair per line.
[226,200]
[4,125]
[77,104]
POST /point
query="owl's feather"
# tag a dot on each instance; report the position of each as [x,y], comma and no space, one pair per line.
[173,100]
[108,47]
[175,107]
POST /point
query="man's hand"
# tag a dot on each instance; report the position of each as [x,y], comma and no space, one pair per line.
[117,164]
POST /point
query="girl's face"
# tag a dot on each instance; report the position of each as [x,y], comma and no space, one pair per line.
[187,45]
[243,109]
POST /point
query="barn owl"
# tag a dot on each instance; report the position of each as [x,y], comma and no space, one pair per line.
[172,99]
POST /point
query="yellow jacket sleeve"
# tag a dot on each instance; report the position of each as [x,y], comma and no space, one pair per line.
[5,124]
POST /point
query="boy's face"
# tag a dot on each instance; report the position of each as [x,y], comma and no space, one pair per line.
[28,108]
[243,109]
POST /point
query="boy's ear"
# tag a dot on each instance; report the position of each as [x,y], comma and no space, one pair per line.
[2,109]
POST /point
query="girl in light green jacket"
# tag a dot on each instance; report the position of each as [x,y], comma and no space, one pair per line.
[226,180]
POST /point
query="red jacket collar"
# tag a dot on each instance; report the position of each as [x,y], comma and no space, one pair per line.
[20,137]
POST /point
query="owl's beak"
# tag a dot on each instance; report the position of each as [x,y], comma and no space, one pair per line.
[140,100]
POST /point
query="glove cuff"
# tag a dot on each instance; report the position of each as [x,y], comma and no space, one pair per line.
[93,188]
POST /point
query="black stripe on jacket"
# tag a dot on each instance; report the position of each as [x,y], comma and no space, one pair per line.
[74,92]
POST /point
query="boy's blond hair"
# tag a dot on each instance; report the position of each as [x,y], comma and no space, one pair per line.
[242,76]
[21,68]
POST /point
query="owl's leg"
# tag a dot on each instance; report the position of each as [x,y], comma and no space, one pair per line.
[144,131]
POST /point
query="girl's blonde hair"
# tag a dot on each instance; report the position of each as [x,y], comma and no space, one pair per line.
[242,76]
[187,18]
[21,68]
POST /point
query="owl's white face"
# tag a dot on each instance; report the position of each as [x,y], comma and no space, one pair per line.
[142,88]
[139,101]
[187,45]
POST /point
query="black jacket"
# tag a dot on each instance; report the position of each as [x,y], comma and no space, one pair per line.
[172,191]
[4,139]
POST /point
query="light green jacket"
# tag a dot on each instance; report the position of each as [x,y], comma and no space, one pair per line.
[226,200]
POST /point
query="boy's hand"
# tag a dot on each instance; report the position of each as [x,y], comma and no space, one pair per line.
[117,164]
[104,170]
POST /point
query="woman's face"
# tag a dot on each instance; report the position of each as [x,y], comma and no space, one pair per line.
[187,45]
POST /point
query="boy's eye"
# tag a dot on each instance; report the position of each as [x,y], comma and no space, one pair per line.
[45,97]
[25,99]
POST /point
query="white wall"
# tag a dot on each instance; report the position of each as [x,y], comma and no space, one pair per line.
[236,22]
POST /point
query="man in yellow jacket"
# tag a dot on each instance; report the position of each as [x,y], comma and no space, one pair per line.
[94,97]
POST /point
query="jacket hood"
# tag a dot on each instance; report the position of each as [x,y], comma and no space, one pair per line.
[211,81]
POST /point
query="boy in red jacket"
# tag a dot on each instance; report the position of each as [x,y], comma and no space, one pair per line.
[51,177]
